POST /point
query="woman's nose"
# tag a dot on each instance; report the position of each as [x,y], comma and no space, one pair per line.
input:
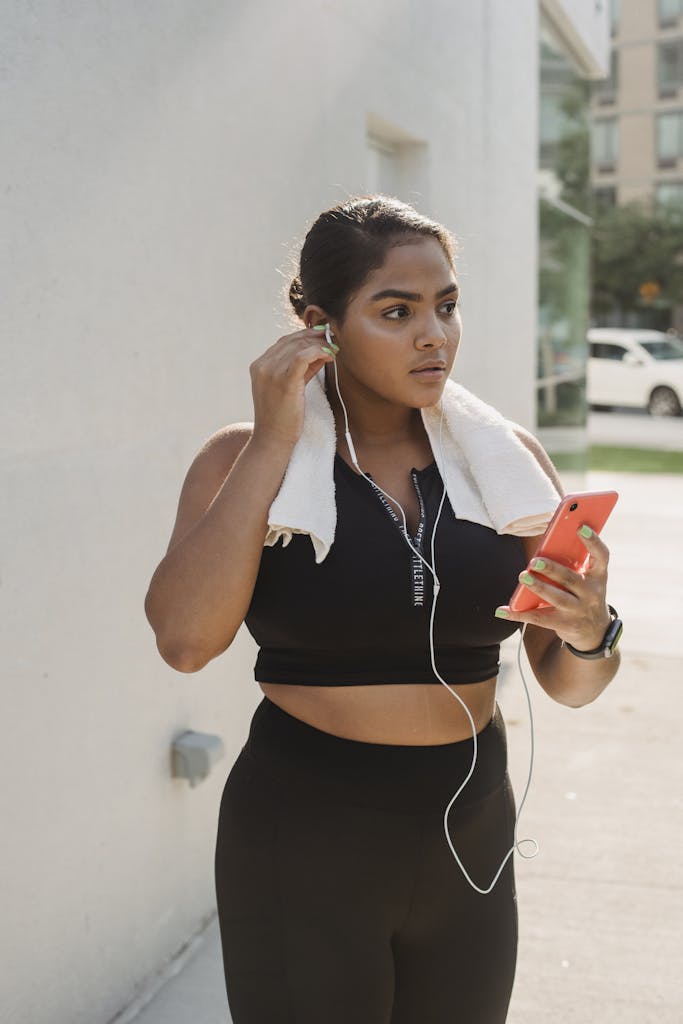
[431,335]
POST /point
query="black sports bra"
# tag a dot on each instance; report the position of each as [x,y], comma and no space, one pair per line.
[361,616]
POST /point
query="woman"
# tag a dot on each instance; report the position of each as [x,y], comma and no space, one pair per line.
[338,898]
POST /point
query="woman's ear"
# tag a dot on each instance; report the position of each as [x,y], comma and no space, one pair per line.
[314,315]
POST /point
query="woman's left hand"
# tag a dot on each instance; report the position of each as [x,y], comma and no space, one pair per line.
[579,613]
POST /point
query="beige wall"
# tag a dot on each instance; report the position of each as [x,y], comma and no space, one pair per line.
[159,161]
[637,21]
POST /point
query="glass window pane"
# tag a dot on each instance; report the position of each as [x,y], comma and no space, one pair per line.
[669,10]
[668,136]
[670,193]
[563,318]
[551,120]
[605,141]
[614,13]
[564,242]
[607,87]
[669,65]
[668,348]
[605,197]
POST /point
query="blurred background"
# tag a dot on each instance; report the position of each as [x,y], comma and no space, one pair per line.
[161,163]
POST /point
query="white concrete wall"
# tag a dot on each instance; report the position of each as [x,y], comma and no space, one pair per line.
[159,159]
[485,172]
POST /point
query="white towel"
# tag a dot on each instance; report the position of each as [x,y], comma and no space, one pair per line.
[491,477]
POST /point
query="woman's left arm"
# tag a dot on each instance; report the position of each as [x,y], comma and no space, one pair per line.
[578,615]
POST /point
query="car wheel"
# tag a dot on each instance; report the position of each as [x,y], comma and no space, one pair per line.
[664,402]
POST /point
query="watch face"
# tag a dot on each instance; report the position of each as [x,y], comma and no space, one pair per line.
[612,637]
[617,636]
[609,642]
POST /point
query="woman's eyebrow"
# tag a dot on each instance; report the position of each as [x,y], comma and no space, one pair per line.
[395,293]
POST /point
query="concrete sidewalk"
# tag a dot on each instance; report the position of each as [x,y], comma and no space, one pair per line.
[601,906]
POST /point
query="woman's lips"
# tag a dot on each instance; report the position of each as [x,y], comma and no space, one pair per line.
[435,373]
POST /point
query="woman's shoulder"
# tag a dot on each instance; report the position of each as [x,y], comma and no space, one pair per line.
[207,473]
[226,443]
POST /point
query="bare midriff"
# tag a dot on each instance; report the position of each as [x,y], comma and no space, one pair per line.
[403,713]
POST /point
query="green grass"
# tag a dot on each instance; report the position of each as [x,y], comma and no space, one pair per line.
[620,460]
[634,460]
[575,461]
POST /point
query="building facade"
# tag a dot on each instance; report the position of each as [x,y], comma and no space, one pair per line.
[637,111]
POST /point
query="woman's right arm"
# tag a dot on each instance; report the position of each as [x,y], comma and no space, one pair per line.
[201,590]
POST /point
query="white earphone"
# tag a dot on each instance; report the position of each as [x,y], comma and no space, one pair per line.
[516,845]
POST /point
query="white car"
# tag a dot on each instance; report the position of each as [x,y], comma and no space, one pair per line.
[637,368]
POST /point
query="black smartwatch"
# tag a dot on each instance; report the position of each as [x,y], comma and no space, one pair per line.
[609,641]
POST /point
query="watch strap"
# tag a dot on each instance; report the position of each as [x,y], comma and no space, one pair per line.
[609,642]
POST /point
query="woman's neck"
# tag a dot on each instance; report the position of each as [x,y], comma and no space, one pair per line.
[373,422]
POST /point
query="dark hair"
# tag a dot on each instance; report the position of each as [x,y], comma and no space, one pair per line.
[348,242]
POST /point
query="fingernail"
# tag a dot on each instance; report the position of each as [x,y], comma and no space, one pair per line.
[537,563]
[585,531]
[527,579]
[328,350]
[502,613]
[320,327]
[335,347]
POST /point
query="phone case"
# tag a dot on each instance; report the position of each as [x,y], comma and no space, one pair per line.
[561,543]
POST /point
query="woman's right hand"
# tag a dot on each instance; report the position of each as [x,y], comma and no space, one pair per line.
[278,381]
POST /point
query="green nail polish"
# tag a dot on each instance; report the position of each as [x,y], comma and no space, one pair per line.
[328,350]
[538,563]
[319,327]
[527,579]
[585,531]
[502,613]
[335,347]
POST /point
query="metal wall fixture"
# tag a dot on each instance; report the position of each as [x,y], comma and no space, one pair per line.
[193,754]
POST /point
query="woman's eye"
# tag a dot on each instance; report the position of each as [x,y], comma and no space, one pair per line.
[401,312]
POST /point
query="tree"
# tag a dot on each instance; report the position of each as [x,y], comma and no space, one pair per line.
[637,257]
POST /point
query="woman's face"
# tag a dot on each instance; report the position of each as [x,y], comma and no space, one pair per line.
[404,315]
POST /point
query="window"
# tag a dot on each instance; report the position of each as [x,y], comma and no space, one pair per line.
[382,166]
[669,193]
[669,138]
[669,11]
[667,348]
[605,90]
[565,201]
[396,162]
[614,15]
[606,350]
[605,144]
[669,67]
[605,197]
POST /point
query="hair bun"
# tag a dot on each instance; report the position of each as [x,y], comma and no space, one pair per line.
[296,296]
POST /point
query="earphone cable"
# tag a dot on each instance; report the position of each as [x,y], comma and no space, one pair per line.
[517,844]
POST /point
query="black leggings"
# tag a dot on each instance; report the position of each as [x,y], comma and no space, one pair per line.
[339,899]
